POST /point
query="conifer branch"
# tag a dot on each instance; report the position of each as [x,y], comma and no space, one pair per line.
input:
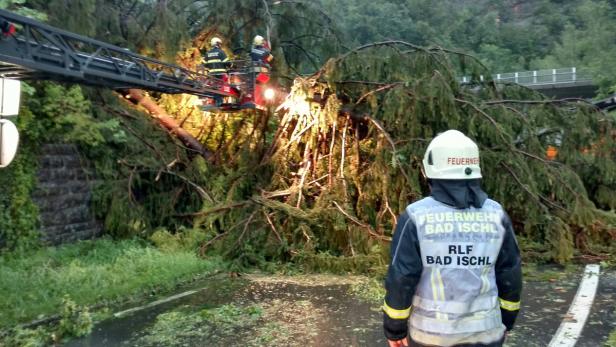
[300,188]
[380,89]
[371,231]
[330,169]
[538,197]
[392,144]
[271,224]
[202,192]
[239,239]
[538,102]
[488,117]
[343,147]
[216,209]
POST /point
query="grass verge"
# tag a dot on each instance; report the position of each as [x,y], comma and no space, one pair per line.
[611,340]
[90,272]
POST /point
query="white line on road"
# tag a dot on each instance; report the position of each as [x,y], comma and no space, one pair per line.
[573,323]
[154,303]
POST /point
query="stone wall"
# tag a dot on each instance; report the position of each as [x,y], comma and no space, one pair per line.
[63,195]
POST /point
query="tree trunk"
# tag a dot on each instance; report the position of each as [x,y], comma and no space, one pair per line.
[136,97]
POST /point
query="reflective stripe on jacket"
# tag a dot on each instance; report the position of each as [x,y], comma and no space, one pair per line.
[216,60]
[261,55]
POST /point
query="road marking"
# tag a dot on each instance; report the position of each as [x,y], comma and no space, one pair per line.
[154,303]
[573,323]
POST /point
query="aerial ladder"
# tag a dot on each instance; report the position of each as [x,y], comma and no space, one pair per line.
[31,50]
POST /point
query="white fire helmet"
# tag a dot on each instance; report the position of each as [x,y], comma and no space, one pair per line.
[258,40]
[452,155]
[215,41]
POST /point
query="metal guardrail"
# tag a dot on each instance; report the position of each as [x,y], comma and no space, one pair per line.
[538,77]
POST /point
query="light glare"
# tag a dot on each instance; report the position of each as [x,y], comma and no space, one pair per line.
[269,94]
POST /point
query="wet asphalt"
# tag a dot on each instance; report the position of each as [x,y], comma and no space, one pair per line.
[347,321]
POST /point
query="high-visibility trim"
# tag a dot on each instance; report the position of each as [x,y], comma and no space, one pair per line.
[485,282]
[441,293]
[210,61]
[225,60]
[509,305]
[435,292]
[483,303]
[217,70]
[396,314]
[433,285]
[488,320]
[441,285]
[436,339]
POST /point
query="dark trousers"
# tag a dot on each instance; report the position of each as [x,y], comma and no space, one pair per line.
[493,344]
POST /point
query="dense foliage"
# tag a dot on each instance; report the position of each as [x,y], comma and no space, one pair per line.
[506,35]
[346,156]
[326,176]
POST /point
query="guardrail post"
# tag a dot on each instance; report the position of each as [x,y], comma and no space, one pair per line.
[553,75]
[535,77]
[573,76]
[516,77]
[498,77]
[481,78]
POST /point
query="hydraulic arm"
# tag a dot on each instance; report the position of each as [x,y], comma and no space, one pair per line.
[30,49]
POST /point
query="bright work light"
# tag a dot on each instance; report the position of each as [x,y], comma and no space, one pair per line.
[269,94]
[10,91]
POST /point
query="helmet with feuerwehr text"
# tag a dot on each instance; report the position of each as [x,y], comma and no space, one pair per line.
[452,155]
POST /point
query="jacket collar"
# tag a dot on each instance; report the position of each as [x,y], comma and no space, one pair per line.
[458,193]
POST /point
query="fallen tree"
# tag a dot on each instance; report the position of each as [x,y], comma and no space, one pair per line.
[137,97]
[345,159]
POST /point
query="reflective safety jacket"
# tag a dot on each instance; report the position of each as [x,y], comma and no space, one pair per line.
[216,61]
[455,272]
[261,55]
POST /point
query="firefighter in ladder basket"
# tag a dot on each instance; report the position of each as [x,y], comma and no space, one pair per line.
[217,63]
[261,58]
[260,53]
[216,60]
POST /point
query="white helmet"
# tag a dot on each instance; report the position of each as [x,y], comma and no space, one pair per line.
[258,40]
[452,155]
[215,41]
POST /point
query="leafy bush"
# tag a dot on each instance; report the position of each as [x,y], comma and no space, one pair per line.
[76,320]
[39,337]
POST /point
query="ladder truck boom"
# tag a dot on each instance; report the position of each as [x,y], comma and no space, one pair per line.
[34,50]
[31,50]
